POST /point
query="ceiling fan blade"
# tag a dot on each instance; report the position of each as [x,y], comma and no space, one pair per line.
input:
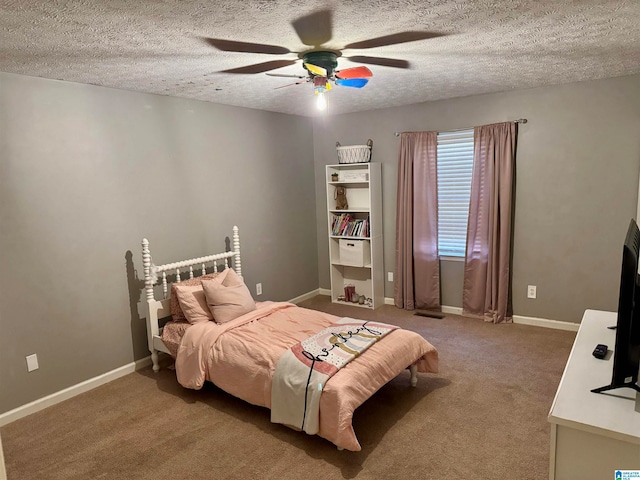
[402,37]
[352,82]
[285,75]
[314,29]
[232,46]
[290,84]
[385,62]
[328,86]
[355,72]
[261,67]
[316,70]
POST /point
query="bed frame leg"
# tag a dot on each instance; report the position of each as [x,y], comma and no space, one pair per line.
[414,375]
[154,359]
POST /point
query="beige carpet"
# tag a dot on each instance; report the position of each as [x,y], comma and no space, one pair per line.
[484,416]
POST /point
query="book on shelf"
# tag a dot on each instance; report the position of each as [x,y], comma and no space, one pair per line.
[346,225]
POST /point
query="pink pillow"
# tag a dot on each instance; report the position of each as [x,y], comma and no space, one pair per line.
[176,312]
[227,296]
[193,303]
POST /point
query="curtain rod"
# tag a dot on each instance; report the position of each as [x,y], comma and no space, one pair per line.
[520,120]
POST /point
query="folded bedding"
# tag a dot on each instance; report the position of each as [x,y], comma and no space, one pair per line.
[240,356]
[303,370]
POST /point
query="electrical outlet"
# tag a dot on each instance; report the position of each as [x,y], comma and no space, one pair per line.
[258,288]
[389,276]
[531,291]
[32,362]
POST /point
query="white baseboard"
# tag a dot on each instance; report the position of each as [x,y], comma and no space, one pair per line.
[543,322]
[452,310]
[536,322]
[305,296]
[67,393]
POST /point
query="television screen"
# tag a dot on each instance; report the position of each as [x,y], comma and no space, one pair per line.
[626,354]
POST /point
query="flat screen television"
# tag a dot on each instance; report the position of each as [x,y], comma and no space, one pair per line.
[626,354]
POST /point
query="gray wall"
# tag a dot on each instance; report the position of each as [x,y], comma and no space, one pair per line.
[577,185]
[74,206]
[86,172]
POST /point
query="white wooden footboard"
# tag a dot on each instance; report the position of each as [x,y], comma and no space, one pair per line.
[160,308]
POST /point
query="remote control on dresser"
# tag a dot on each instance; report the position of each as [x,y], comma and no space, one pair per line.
[600,351]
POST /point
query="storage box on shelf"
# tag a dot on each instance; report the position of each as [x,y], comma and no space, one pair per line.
[355,253]
[355,234]
[349,173]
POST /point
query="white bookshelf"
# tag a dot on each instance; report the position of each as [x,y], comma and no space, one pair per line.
[363,186]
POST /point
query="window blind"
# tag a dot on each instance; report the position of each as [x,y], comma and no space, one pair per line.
[455,166]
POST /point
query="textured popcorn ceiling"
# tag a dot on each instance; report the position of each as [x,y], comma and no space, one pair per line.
[158,46]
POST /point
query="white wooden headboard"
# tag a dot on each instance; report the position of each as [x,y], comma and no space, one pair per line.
[160,308]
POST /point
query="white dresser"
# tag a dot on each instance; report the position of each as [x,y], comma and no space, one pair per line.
[593,435]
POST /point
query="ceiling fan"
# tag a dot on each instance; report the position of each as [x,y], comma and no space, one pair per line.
[315,30]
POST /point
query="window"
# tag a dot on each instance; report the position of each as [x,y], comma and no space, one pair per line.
[455,165]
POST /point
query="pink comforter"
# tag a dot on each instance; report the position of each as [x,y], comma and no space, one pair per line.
[240,357]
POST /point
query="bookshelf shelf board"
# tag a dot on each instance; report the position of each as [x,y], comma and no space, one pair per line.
[350,237]
[352,210]
[349,183]
[343,265]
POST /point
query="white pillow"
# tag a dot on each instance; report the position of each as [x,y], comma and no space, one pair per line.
[193,303]
[227,296]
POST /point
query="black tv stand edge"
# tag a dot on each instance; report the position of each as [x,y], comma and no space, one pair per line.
[612,387]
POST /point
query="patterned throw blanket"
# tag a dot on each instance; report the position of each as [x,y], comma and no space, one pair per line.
[303,370]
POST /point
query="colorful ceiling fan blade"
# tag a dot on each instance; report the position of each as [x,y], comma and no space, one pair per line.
[316,70]
[328,86]
[352,82]
[355,72]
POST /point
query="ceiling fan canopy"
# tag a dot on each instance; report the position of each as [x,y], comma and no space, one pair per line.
[323,59]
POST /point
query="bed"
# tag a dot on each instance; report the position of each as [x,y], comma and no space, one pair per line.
[240,355]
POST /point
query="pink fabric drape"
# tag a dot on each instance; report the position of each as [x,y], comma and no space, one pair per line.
[417,282]
[487,290]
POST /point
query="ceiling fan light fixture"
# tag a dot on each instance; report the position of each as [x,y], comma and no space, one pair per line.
[320,86]
[321,101]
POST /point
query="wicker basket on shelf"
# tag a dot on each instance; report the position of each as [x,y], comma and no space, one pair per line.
[354,153]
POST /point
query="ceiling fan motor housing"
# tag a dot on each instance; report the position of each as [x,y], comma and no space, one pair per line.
[326,60]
